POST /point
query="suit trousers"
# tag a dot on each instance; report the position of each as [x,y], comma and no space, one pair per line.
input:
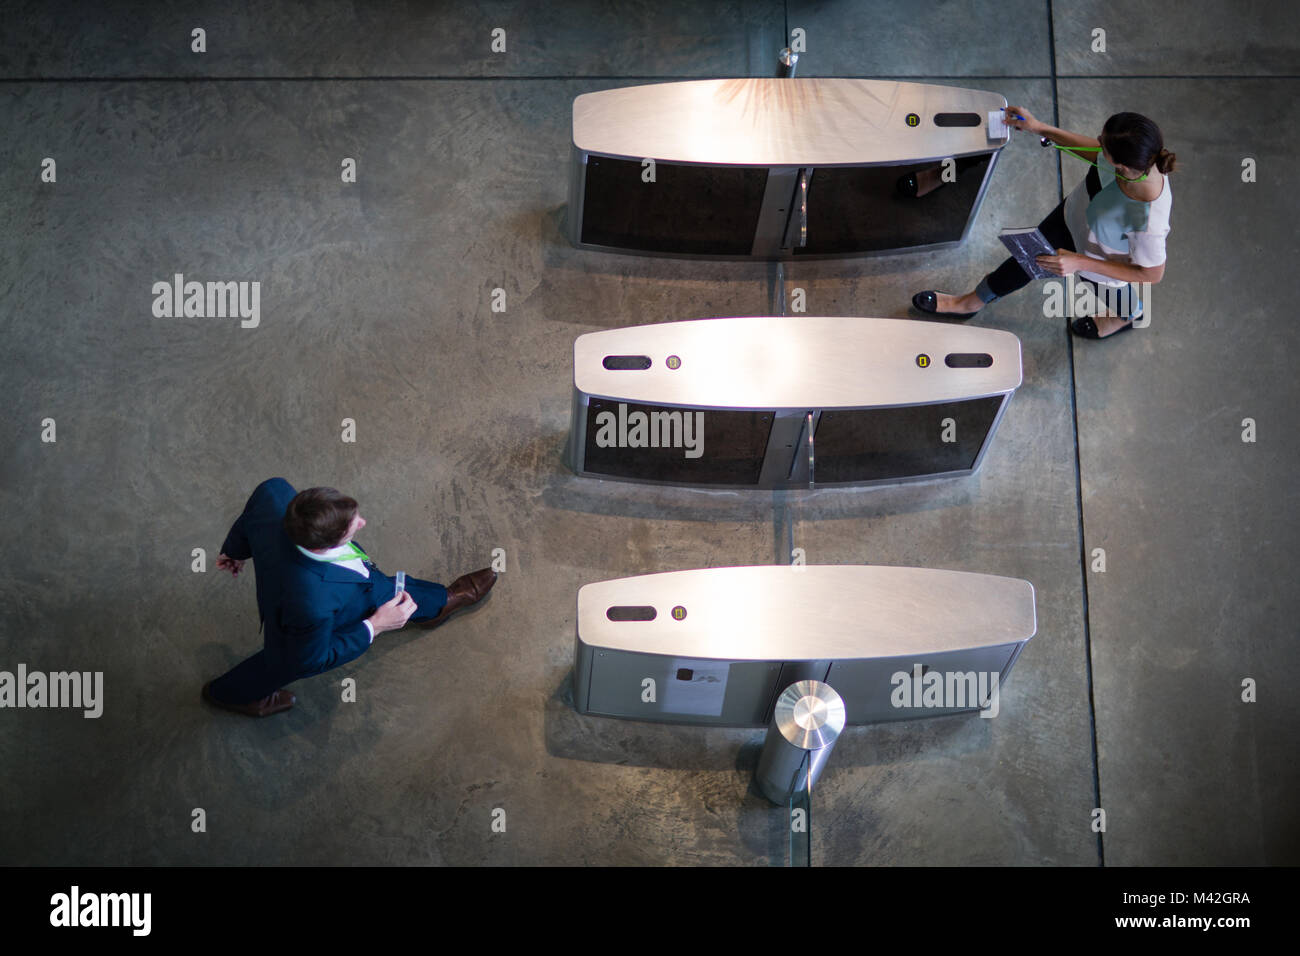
[262,674]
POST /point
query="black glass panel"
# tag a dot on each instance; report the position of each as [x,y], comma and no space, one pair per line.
[968,360]
[655,443]
[863,208]
[882,443]
[704,210]
[631,612]
[626,363]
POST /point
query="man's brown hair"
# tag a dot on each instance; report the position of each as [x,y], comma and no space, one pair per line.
[319,518]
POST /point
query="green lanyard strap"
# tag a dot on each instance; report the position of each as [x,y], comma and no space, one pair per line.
[356,554]
[1076,150]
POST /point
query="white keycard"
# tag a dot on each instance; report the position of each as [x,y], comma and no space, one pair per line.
[998,128]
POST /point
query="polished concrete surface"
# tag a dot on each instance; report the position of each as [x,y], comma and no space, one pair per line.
[376,307]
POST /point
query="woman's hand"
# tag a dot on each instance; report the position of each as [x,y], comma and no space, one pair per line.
[1027,121]
[1063,263]
[229,564]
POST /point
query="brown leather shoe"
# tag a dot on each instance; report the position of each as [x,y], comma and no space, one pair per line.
[465,590]
[275,703]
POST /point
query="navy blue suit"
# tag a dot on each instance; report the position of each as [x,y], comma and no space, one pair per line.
[312,611]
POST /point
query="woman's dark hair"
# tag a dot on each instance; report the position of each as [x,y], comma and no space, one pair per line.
[1135,141]
[319,518]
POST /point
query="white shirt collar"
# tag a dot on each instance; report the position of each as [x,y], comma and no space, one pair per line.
[331,553]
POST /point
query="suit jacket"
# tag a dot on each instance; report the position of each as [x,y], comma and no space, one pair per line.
[313,611]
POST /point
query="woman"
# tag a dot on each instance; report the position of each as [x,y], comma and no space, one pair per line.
[1110,231]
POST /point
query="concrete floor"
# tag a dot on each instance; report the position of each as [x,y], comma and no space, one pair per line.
[375,306]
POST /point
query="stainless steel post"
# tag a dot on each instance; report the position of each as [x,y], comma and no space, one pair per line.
[806,722]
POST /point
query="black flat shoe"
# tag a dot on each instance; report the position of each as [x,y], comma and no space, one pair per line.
[909,187]
[1086,328]
[926,302]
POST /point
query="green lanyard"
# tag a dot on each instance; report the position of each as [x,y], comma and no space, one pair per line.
[356,554]
[1075,150]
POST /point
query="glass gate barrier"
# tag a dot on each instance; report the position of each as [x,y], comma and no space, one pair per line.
[764,646]
[779,167]
[729,402]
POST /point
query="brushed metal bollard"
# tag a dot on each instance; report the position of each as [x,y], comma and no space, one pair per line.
[788,62]
[806,722]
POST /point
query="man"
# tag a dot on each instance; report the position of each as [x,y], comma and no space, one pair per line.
[321,599]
